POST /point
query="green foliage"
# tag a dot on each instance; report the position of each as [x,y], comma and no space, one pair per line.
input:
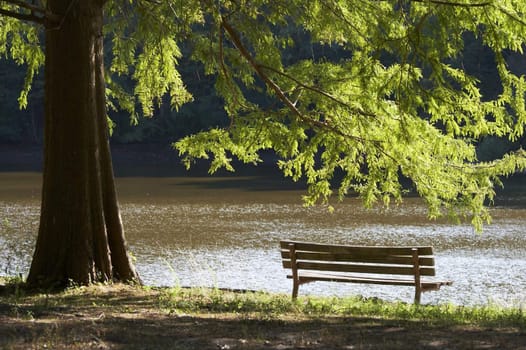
[394,103]
[20,42]
[144,46]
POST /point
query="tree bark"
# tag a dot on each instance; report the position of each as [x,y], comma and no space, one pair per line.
[80,238]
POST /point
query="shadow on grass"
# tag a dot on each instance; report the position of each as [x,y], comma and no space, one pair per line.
[77,329]
[135,318]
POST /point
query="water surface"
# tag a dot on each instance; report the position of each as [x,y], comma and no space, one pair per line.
[225,232]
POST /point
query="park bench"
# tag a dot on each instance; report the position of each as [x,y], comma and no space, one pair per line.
[399,266]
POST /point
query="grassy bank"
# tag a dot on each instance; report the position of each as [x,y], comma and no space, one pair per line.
[128,317]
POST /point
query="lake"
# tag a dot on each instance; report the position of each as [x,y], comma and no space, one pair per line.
[225,231]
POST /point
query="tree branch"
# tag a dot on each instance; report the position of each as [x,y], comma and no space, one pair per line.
[513,16]
[25,5]
[320,92]
[453,3]
[47,16]
[23,17]
[277,90]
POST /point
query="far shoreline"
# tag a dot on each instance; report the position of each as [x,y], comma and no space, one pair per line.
[161,160]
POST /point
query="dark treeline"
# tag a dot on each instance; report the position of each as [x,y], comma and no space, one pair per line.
[24,127]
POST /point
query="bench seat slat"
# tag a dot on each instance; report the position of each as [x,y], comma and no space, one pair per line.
[427,285]
[390,259]
[350,278]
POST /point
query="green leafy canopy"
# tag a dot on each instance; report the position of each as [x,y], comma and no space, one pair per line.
[382,97]
[395,103]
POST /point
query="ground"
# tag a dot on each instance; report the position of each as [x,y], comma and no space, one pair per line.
[131,318]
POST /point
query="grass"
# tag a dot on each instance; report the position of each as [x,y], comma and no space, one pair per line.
[267,305]
[134,317]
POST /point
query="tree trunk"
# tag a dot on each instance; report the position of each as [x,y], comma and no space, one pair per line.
[80,238]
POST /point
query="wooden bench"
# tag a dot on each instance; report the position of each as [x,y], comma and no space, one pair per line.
[400,266]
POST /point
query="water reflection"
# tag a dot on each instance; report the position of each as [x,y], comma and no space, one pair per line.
[192,232]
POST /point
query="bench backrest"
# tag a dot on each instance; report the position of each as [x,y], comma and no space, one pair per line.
[358,259]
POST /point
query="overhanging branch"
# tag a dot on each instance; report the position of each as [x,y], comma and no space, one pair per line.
[494,4]
[25,5]
[512,15]
[259,70]
[457,4]
[320,92]
[23,17]
[38,14]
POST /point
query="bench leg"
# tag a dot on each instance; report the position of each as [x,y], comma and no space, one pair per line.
[416,270]
[295,287]
[418,293]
